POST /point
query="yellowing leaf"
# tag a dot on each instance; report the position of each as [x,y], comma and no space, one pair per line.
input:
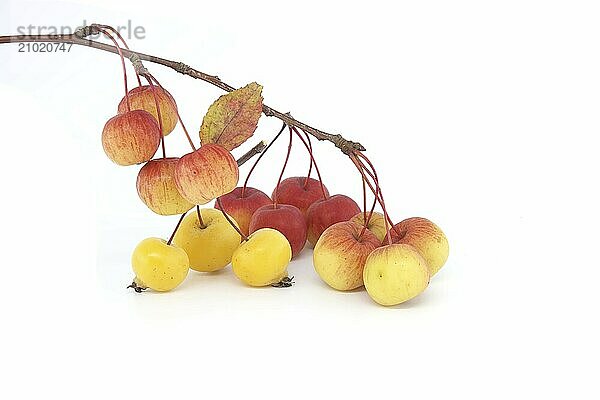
[232,119]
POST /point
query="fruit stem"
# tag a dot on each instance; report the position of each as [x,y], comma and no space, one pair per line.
[310,153]
[312,159]
[200,220]
[377,192]
[261,156]
[136,287]
[160,122]
[244,237]
[375,177]
[185,131]
[176,228]
[284,283]
[118,34]
[122,63]
[287,158]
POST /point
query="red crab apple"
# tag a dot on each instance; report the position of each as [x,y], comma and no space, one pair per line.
[341,252]
[156,187]
[241,207]
[131,138]
[205,174]
[286,219]
[324,213]
[142,98]
[299,192]
[426,237]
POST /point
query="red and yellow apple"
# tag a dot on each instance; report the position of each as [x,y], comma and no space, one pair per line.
[142,98]
[284,218]
[326,212]
[131,138]
[426,237]
[376,223]
[241,205]
[299,192]
[157,189]
[394,274]
[207,173]
[340,254]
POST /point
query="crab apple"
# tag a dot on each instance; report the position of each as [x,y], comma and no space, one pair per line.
[131,138]
[158,265]
[241,207]
[142,98]
[209,247]
[426,237]
[286,219]
[156,187]
[207,173]
[299,192]
[326,212]
[376,223]
[394,274]
[340,254]
[263,259]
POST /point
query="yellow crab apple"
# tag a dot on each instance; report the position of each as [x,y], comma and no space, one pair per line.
[394,274]
[158,265]
[263,259]
[209,246]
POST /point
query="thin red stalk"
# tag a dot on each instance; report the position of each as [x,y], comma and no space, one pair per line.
[176,228]
[187,135]
[374,176]
[287,158]
[122,63]
[261,156]
[313,160]
[118,34]
[366,219]
[310,152]
[244,237]
[361,168]
[365,222]
[160,122]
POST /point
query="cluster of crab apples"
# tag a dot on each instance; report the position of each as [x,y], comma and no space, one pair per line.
[256,233]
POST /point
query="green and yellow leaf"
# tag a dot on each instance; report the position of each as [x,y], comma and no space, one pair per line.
[233,117]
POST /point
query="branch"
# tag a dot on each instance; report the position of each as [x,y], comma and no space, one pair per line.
[251,153]
[79,38]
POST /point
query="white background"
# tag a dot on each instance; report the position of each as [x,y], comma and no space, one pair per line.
[479,115]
